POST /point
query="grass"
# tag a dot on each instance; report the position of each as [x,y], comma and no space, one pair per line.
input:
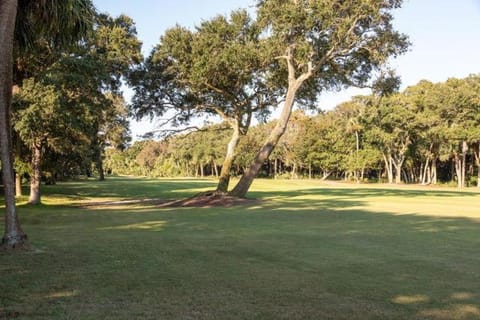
[309,251]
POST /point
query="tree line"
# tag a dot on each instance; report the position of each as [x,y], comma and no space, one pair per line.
[427,134]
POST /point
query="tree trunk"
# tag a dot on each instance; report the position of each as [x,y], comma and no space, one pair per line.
[13,236]
[275,168]
[18,185]
[357,150]
[426,175]
[99,164]
[458,171]
[35,197]
[326,174]
[388,167]
[241,189]
[227,163]
[215,168]
[464,160]
[476,153]
[310,171]
[478,176]
[398,163]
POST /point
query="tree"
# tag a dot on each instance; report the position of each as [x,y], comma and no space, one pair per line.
[459,107]
[318,45]
[20,24]
[86,80]
[432,128]
[14,235]
[216,69]
[38,114]
[393,122]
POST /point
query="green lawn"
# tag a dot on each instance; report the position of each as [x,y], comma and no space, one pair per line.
[308,251]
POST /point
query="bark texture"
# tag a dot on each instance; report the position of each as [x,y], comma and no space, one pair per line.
[224,179]
[13,236]
[35,196]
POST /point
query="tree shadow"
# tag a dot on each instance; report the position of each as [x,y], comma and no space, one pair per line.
[312,253]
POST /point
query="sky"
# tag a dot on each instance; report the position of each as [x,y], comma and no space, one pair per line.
[445,36]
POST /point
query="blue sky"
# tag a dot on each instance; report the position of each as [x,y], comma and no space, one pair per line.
[445,35]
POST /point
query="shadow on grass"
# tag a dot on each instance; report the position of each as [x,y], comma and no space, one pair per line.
[318,253]
[128,188]
[318,262]
[362,264]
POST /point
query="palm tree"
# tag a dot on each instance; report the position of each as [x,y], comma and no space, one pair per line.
[22,22]
[14,236]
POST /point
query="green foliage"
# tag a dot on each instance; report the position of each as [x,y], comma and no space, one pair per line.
[215,69]
[411,131]
[38,112]
[340,42]
[71,102]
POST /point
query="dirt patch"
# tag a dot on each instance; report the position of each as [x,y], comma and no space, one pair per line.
[209,199]
[202,200]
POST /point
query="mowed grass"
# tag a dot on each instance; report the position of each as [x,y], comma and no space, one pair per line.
[307,251]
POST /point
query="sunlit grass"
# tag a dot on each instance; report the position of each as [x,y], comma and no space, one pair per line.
[309,251]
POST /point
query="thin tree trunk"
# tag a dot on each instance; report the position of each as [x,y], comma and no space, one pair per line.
[99,164]
[215,168]
[429,175]
[241,189]
[294,171]
[224,180]
[35,196]
[424,170]
[478,176]
[202,173]
[13,236]
[388,167]
[357,150]
[434,171]
[309,171]
[18,185]
[464,160]
[275,167]
[476,153]
[459,166]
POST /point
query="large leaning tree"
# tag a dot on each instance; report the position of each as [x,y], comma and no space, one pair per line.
[21,23]
[318,45]
[217,69]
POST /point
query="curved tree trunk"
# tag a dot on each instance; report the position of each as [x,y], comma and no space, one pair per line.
[35,197]
[227,163]
[13,237]
[247,178]
[241,189]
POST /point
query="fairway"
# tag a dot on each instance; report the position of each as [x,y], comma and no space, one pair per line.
[306,250]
